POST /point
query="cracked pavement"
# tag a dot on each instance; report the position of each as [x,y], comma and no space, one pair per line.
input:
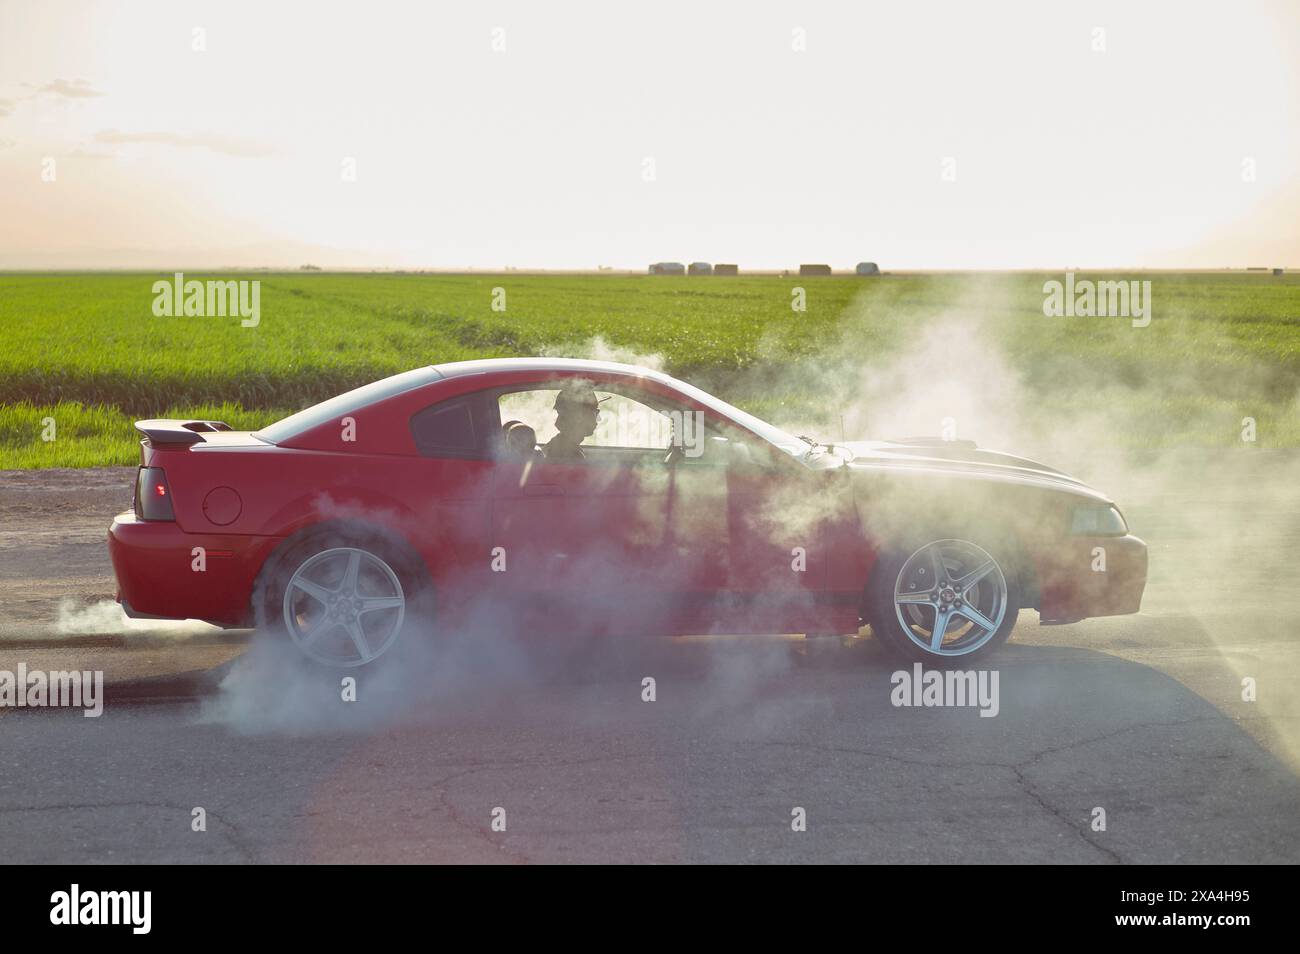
[742,731]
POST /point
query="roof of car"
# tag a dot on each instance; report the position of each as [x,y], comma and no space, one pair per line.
[485,365]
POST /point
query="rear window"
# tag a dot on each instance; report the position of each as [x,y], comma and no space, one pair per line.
[446,429]
[346,404]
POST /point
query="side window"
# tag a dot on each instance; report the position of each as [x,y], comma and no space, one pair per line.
[448,429]
[622,422]
[535,408]
[625,422]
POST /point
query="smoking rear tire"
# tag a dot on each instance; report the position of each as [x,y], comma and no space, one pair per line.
[345,599]
[944,600]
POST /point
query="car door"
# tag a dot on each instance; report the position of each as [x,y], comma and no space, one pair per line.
[579,545]
[754,522]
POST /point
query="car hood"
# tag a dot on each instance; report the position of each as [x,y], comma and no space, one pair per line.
[962,459]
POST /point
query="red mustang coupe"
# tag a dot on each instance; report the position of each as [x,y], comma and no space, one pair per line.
[564,495]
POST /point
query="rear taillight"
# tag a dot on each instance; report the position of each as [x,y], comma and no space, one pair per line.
[153,498]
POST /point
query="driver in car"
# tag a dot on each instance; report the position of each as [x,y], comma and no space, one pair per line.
[577,409]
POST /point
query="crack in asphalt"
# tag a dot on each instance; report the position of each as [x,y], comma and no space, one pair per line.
[234,837]
[1082,832]
[479,831]
[1017,768]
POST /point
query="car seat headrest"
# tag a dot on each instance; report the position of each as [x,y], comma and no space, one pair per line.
[520,439]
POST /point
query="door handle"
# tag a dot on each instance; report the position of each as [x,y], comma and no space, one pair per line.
[543,490]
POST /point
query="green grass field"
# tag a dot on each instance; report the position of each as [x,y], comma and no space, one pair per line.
[87,351]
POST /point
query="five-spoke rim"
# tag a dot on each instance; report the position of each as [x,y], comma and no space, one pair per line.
[950,597]
[344,607]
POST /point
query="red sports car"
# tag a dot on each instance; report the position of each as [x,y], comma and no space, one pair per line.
[565,495]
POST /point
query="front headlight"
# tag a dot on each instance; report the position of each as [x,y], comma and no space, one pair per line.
[1098,521]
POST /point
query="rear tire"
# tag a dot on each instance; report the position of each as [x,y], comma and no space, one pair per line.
[970,588]
[345,599]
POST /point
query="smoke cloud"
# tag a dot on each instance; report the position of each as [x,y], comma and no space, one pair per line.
[105,617]
[1217,518]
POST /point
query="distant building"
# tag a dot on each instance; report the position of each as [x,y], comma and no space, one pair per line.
[867,268]
[667,268]
[814,269]
[700,268]
[1278,271]
[726,270]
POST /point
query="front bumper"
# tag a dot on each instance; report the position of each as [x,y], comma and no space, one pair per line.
[164,572]
[1092,576]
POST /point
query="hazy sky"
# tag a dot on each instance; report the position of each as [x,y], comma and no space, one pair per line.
[919,135]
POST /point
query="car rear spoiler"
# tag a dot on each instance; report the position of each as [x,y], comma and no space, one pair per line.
[178,432]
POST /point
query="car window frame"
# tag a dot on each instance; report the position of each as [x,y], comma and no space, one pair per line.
[771,456]
[554,384]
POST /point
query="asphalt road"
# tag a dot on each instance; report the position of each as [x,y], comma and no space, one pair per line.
[1141,716]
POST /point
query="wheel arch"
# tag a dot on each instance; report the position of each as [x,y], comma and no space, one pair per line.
[1003,536]
[345,528]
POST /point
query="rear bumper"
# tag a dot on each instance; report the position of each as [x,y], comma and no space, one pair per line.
[1093,576]
[161,574]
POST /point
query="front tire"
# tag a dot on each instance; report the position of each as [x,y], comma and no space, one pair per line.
[942,600]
